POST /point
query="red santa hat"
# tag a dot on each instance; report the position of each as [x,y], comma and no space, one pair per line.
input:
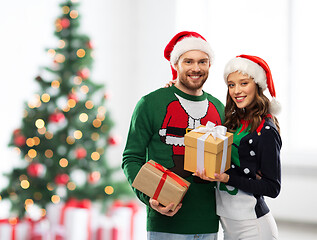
[183,42]
[259,70]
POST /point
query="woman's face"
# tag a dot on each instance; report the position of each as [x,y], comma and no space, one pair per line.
[242,89]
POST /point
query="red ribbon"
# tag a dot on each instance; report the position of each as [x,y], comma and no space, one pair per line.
[166,173]
[32,224]
[114,235]
[13,222]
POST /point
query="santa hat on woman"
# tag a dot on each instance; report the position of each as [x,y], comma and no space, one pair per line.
[184,42]
[259,70]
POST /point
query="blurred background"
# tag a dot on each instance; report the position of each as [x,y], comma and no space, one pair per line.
[129,37]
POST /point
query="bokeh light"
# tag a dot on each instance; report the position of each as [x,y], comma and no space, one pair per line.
[39,123]
[89,104]
[95,156]
[109,190]
[81,53]
[83,117]
[78,134]
[63,162]
[25,184]
[55,199]
[48,153]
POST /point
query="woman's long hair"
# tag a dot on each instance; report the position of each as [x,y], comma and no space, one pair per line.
[254,113]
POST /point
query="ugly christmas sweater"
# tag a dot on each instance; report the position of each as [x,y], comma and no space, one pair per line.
[253,153]
[158,125]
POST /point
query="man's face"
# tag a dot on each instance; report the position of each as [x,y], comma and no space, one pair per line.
[192,68]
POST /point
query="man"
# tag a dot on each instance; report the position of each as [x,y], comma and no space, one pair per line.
[158,125]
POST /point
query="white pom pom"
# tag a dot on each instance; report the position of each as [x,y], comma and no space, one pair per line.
[275,107]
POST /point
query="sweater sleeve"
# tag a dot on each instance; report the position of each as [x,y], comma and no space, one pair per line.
[134,155]
[270,168]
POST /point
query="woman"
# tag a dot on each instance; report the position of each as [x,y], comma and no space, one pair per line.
[255,165]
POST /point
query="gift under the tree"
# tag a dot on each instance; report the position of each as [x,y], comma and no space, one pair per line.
[71,220]
[160,184]
[107,230]
[54,216]
[38,228]
[76,218]
[13,229]
[208,147]
[123,221]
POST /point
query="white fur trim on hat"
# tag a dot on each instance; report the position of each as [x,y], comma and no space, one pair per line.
[188,44]
[275,106]
[246,66]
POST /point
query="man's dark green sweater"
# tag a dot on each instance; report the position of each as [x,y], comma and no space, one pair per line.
[157,130]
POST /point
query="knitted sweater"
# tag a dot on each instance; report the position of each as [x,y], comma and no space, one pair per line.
[252,153]
[157,129]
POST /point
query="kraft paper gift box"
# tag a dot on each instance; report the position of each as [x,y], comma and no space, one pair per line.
[204,149]
[161,184]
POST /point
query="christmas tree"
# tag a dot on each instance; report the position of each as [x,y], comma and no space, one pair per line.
[65,130]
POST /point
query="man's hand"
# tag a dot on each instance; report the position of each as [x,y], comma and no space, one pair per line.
[164,210]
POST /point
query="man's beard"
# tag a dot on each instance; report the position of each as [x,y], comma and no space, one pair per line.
[190,85]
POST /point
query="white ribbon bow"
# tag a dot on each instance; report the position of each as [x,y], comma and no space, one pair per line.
[216,132]
[212,129]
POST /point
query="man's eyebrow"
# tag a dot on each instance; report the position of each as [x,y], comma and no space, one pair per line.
[198,60]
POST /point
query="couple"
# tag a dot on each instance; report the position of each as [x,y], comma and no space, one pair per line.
[157,130]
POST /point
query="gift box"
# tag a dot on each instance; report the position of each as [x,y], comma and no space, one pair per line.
[161,184]
[40,229]
[123,221]
[208,147]
[13,229]
[54,215]
[76,218]
[70,220]
[108,229]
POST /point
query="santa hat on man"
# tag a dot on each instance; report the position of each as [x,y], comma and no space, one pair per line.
[184,42]
[259,70]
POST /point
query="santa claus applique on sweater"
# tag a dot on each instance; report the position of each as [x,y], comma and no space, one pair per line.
[182,116]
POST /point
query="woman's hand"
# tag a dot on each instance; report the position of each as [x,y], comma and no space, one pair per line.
[223,177]
[259,175]
[170,83]
[164,210]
